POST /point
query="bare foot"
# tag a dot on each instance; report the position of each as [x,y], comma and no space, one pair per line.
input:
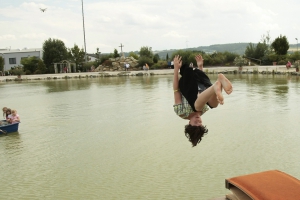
[226,84]
[218,90]
[199,61]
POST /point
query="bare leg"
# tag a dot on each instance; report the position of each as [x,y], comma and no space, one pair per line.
[212,95]
[226,84]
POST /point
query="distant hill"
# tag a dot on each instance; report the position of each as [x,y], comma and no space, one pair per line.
[238,48]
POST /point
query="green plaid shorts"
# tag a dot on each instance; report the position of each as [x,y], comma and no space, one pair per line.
[184,109]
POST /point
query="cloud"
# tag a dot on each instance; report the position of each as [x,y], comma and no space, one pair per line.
[34,36]
[8,37]
[173,34]
[159,24]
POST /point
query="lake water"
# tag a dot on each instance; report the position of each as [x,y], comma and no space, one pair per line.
[118,138]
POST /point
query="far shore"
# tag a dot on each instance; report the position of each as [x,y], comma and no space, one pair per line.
[277,69]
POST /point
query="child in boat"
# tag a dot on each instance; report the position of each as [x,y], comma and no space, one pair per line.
[194,93]
[14,117]
[7,114]
[4,112]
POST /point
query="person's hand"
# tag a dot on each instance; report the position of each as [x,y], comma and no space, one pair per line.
[177,62]
[199,60]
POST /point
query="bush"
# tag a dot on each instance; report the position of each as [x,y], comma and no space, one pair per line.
[143,60]
[37,71]
[160,65]
[17,71]
[282,62]
[239,61]
[107,63]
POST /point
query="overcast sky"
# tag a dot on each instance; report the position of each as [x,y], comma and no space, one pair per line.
[160,24]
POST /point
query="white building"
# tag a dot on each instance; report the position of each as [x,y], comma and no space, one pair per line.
[13,57]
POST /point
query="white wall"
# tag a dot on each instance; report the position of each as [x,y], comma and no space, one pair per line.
[18,55]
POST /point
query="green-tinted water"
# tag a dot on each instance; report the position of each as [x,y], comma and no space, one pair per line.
[118,138]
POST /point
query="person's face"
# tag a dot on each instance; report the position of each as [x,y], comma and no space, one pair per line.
[4,110]
[13,113]
[8,112]
[196,120]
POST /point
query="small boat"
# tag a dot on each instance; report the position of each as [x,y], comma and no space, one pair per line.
[8,128]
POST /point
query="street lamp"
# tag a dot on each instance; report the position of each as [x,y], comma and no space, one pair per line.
[83,30]
[297,43]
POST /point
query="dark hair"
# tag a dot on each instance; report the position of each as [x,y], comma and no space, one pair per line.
[195,133]
[8,110]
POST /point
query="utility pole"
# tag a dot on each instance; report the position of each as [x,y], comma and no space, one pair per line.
[83,31]
[122,50]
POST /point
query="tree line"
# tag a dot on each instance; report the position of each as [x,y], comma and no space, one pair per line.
[264,52]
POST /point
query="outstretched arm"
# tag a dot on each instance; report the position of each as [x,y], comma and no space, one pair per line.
[199,61]
[177,65]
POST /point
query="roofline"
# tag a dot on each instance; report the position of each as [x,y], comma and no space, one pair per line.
[20,51]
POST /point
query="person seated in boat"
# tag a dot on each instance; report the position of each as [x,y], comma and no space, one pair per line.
[14,117]
[7,114]
[4,112]
[194,93]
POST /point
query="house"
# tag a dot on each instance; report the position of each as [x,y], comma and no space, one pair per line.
[13,57]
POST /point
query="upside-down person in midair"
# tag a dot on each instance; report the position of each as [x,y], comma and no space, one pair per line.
[194,93]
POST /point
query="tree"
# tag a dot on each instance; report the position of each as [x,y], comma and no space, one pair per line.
[76,55]
[54,50]
[146,56]
[146,52]
[30,64]
[281,45]
[167,57]
[41,67]
[98,57]
[156,58]
[116,53]
[2,64]
[134,55]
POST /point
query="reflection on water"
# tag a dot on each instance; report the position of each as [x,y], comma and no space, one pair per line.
[118,138]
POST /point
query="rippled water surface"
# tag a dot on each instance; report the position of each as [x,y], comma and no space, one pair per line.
[118,138]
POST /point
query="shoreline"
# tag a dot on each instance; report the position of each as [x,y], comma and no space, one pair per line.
[278,69]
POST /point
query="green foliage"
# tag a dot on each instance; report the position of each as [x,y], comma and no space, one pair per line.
[257,51]
[160,65]
[31,64]
[1,64]
[54,50]
[240,61]
[86,66]
[143,60]
[185,56]
[296,64]
[273,57]
[146,52]
[18,71]
[229,57]
[106,57]
[281,45]
[116,53]
[156,58]
[295,56]
[107,63]
[98,58]
[134,55]
[41,67]
[217,58]
[76,55]
[167,57]
[282,62]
